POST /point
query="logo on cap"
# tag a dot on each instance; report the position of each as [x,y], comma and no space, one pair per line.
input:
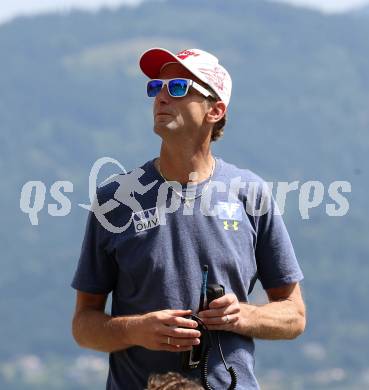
[216,76]
[186,53]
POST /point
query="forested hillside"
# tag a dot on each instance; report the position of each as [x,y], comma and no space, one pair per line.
[71,92]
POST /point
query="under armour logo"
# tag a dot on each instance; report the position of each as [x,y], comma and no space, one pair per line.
[186,53]
[233,225]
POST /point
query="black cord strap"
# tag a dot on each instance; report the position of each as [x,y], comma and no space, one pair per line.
[208,343]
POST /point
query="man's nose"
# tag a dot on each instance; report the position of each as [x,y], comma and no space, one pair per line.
[163,96]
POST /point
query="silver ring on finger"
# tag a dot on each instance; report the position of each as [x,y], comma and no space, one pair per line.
[168,340]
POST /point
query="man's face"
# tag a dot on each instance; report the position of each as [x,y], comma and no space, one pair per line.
[184,115]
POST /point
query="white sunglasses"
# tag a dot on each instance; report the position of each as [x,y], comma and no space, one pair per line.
[176,87]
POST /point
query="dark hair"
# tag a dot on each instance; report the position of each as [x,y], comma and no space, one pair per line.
[171,381]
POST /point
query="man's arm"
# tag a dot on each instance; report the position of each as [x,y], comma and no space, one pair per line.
[282,318]
[94,329]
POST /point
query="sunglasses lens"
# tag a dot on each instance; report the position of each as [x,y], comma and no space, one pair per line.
[154,87]
[177,87]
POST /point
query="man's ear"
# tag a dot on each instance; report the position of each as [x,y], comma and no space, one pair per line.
[216,112]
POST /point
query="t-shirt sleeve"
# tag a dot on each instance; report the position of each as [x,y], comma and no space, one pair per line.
[275,257]
[97,269]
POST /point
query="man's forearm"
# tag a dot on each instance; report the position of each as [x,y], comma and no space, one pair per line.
[272,321]
[96,330]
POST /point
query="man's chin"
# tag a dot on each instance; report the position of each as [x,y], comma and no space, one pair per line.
[163,130]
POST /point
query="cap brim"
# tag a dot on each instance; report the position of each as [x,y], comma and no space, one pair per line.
[152,61]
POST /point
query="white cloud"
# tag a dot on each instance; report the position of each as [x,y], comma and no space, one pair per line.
[12,8]
[329,6]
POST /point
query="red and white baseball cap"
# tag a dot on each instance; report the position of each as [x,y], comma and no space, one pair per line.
[200,63]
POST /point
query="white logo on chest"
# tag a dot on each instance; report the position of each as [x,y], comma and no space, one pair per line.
[146,219]
[229,211]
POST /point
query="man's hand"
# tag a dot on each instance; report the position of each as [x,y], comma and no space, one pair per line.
[164,330]
[282,318]
[223,313]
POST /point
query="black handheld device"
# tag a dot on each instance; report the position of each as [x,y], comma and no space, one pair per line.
[192,359]
[214,291]
[199,354]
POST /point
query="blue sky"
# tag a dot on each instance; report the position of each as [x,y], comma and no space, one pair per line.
[11,8]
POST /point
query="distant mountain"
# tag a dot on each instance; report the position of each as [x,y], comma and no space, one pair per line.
[71,92]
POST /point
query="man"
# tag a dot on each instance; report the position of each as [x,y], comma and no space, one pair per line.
[153,268]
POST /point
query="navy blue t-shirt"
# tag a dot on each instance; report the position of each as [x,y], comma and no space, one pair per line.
[155,262]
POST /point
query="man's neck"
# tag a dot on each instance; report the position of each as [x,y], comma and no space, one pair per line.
[177,164]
